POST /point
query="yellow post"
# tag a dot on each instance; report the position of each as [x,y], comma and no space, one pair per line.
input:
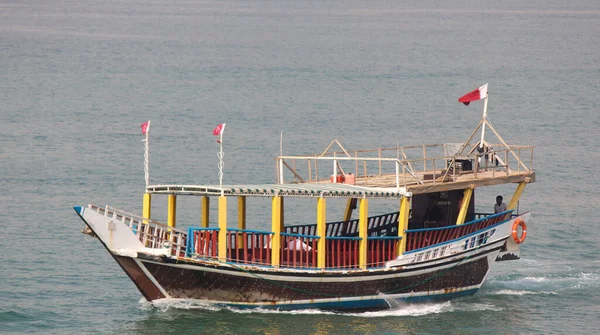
[147,205]
[172,210]
[321,231]
[403,224]
[276,229]
[241,212]
[222,251]
[363,226]
[241,219]
[515,198]
[205,207]
[350,205]
[464,206]
[281,210]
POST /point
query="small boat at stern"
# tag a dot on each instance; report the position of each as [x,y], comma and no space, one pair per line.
[429,244]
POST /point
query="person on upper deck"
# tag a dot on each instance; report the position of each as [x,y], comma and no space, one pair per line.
[500,206]
[433,212]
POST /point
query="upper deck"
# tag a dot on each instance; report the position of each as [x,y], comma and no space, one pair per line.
[382,172]
[415,169]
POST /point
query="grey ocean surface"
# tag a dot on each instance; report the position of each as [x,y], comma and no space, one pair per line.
[77,78]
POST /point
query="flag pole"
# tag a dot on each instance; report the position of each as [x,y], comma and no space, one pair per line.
[485,103]
[221,164]
[281,144]
[146,155]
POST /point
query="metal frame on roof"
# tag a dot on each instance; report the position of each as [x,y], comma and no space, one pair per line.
[284,190]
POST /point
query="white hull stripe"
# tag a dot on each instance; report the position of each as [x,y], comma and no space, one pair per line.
[147,273]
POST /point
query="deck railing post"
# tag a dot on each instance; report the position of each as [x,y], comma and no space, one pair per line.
[322,232]
[172,210]
[222,237]
[276,229]
[424,159]
[466,200]
[397,174]
[403,223]
[205,209]
[281,170]
[147,206]
[363,222]
[241,218]
[335,171]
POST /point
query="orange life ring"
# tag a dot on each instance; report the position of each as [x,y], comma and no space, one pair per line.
[515,230]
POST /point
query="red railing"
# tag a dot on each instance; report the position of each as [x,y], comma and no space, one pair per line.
[381,249]
[342,252]
[298,250]
[421,238]
[202,242]
[249,246]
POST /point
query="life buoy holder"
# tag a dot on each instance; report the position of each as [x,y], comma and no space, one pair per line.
[515,231]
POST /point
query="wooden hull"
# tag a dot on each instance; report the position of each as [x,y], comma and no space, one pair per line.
[441,271]
[252,287]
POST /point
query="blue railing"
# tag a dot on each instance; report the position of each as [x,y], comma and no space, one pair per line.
[425,237]
[205,236]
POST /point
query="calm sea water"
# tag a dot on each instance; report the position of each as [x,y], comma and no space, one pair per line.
[77,78]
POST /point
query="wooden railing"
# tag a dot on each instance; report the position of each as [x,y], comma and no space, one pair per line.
[298,250]
[410,164]
[342,252]
[202,242]
[377,225]
[249,246]
[422,238]
[381,249]
[151,233]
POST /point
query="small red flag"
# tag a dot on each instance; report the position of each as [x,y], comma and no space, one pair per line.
[478,94]
[219,129]
[145,127]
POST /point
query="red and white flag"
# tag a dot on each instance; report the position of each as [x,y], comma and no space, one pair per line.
[218,131]
[478,94]
[145,127]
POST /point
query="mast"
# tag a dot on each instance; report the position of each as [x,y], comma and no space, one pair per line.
[484,119]
[146,131]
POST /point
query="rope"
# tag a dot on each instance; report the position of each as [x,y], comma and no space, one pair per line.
[338,295]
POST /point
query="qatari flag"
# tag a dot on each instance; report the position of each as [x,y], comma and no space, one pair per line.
[218,131]
[145,127]
[478,94]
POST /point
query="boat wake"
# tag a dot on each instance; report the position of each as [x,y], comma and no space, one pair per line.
[522,292]
[551,284]
[398,309]
[164,305]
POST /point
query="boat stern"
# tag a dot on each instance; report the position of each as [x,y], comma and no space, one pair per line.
[511,249]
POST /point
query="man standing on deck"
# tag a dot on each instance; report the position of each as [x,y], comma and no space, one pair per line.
[500,206]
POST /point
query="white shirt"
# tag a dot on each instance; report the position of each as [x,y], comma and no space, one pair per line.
[499,208]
